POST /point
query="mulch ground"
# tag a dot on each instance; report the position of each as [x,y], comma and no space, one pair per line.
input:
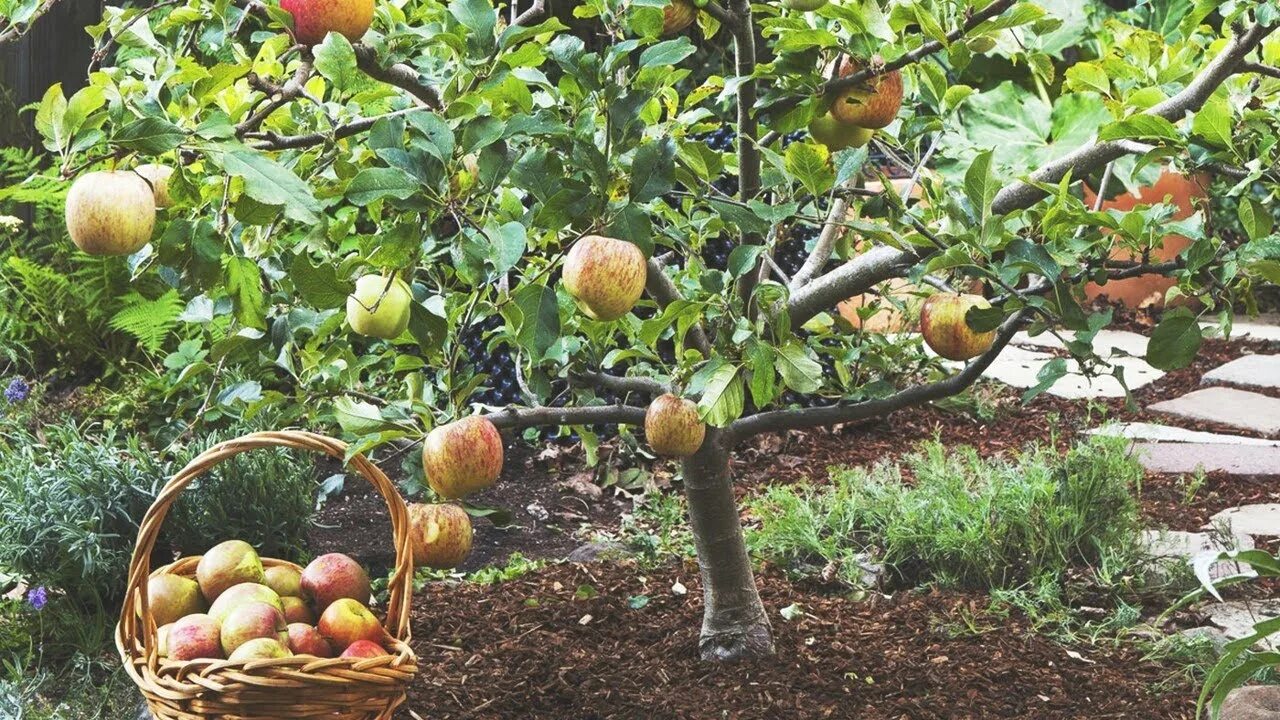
[546,646]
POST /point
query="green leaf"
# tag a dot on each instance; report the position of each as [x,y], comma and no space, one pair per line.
[1088,76]
[1175,340]
[1213,123]
[743,258]
[319,285]
[360,418]
[1033,256]
[540,325]
[980,185]
[1255,218]
[478,16]
[428,328]
[799,372]
[653,170]
[49,118]
[810,163]
[271,183]
[763,375]
[376,183]
[335,60]
[1142,127]
[722,396]
[437,135]
[509,243]
[151,135]
[668,52]
[244,285]
[930,25]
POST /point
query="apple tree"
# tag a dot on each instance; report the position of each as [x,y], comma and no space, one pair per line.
[624,194]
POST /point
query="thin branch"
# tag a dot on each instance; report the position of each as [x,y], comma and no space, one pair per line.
[727,18]
[534,12]
[796,419]
[831,232]
[1259,68]
[664,292]
[17,30]
[520,418]
[605,381]
[399,75]
[1024,194]
[270,140]
[278,96]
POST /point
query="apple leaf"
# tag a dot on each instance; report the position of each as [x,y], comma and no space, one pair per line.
[271,183]
[799,372]
[722,396]
[539,326]
[150,135]
[1254,218]
[244,285]
[668,52]
[377,183]
[335,60]
[319,285]
[810,163]
[653,170]
[1175,340]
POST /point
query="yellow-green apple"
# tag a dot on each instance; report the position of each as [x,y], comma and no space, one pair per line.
[872,104]
[605,276]
[804,4]
[306,640]
[285,580]
[441,535]
[346,621]
[945,329]
[672,426]
[362,649]
[466,177]
[110,212]
[251,621]
[194,636]
[226,564]
[242,594]
[260,649]
[296,610]
[379,308]
[462,457]
[158,177]
[677,16]
[313,19]
[836,135]
[332,577]
[162,640]
[173,596]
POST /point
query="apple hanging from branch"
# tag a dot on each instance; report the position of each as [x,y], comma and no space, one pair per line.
[110,212]
[313,19]
[605,276]
[462,457]
[672,426]
[379,308]
[947,332]
[677,16]
[873,105]
[837,135]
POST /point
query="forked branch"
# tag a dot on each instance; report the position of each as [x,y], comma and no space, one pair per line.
[521,418]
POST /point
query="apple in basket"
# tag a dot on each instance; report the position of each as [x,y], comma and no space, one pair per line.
[194,636]
[346,621]
[260,649]
[172,597]
[251,621]
[286,581]
[332,577]
[226,564]
[306,640]
[242,594]
[296,610]
[364,649]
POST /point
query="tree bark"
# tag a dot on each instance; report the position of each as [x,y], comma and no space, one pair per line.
[734,623]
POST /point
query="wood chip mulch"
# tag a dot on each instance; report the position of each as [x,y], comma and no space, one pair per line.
[568,642]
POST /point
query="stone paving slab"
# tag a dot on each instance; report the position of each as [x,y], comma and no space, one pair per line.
[1154,432]
[1260,519]
[1209,457]
[1183,547]
[1237,618]
[1106,343]
[1257,371]
[1019,367]
[1228,406]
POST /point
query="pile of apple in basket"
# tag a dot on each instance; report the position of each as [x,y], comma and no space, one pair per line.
[236,610]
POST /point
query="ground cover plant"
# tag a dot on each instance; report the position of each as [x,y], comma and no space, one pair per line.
[351,203]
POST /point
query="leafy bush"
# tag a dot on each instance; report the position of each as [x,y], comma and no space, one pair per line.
[965,522]
[264,497]
[70,504]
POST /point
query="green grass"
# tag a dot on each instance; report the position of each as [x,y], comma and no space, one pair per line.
[966,522]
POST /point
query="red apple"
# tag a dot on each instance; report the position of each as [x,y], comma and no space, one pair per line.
[226,564]
[364,649]
[943,324]
[346,621]
[605,276]
[296,610]
[334,576]
[110,212]
[313,19]
[872,104]
[193,637]
[441,535]
[306,640]
[462,457]
[251,621]
[672,426]
[242,594]
[172,596]
[677,16]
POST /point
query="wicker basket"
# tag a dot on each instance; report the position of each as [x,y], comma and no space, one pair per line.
[295,687]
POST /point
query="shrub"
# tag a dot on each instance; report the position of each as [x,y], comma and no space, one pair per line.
[264,497]
[965,522]
[70,504]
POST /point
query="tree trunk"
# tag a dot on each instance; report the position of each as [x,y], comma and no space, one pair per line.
[734,623]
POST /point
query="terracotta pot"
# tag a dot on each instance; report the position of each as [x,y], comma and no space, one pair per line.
[1187,194]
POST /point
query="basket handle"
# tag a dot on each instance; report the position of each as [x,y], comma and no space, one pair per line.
[136,604]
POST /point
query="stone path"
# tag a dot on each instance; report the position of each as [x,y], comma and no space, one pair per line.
[1188,457]
[1021,362]
[1226,406]
[1250,371]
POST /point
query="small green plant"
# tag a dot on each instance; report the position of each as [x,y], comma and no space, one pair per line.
[1191,485]
[967,522]
[657,529]
[517,566]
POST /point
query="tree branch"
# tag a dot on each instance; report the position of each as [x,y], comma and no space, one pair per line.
[605,381]
[1259,68]
[1024,194]
[278,96]
[399,75]
[797,419]
[744,44]
[855,277]
[728,19]
[534,13]
[270,140]
[664,292]
[520,418]
[831,232]
[17,30]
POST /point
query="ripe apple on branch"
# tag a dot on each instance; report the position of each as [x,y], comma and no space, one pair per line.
[439,170]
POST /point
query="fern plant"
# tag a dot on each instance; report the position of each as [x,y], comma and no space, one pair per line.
[149,321]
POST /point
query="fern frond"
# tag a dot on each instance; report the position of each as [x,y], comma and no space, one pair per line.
[150,321]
